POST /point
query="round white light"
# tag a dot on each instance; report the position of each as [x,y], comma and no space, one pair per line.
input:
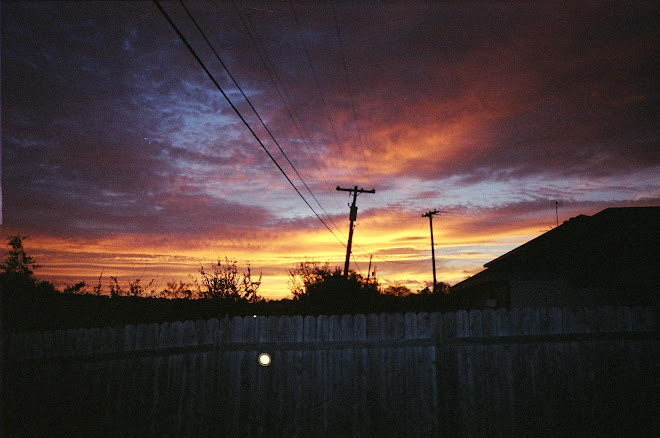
[264,359]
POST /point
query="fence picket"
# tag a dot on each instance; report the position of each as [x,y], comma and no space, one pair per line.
[448,385]
[572,371]
[427,363]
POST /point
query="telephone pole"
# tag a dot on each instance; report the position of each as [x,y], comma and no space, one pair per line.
[430,216]
[369,270]
[352,217]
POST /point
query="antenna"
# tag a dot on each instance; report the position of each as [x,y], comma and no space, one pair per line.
[557,211]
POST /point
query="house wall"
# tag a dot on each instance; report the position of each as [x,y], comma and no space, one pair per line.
[555,293]
[539,293]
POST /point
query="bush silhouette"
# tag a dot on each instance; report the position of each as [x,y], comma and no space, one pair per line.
[226,283]
[317,286]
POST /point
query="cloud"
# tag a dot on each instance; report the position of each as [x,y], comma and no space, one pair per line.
[115,139]
[517,101]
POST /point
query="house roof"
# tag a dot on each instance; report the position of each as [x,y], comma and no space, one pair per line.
[616,246]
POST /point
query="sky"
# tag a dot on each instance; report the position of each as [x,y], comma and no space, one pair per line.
[121,157]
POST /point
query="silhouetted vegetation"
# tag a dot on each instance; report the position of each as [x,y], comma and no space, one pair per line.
[17,276]
[226,283]
[397,290]
[317,288]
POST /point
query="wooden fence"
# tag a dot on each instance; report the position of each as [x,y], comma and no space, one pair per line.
[518,372]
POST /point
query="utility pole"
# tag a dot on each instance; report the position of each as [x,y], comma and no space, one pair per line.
[369,270]
[430,216]
[352,217]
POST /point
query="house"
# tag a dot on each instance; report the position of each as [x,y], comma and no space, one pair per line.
[610,258]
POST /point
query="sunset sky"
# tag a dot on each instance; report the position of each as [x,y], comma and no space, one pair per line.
[119,154]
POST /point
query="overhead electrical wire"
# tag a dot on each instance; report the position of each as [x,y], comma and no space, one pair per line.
[284,95]
[275,79]
[316,81]
[201,31]
[268,130]
[351,94]
[318,87]
[210,75]
[313,70]
[350,90]
[238,113]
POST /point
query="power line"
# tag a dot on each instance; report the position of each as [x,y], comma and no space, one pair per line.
[235,109]
[276,142]
[267,61]
[253,108]
[316,81]
[208,73]
[403,262]
[351,94]
[350,91]
[284,96]
[357,267]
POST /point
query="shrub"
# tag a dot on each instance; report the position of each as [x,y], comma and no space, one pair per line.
[226,283]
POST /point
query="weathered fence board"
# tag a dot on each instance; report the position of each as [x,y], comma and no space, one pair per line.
[519,372]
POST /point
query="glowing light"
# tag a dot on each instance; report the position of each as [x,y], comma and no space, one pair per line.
[264,359]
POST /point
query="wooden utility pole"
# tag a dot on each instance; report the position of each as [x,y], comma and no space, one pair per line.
[430,216]
[369,270]
[352,217]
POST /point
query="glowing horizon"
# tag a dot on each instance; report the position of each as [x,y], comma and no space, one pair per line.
[403,258]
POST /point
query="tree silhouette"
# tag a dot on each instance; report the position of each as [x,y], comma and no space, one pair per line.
[17,275]
[396,290]
[441,288]
[77,288]
[305,276]
[18,263]
[326,289]
[226,283]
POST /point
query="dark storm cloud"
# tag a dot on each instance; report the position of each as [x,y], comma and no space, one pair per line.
[536,88]
[92,95]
